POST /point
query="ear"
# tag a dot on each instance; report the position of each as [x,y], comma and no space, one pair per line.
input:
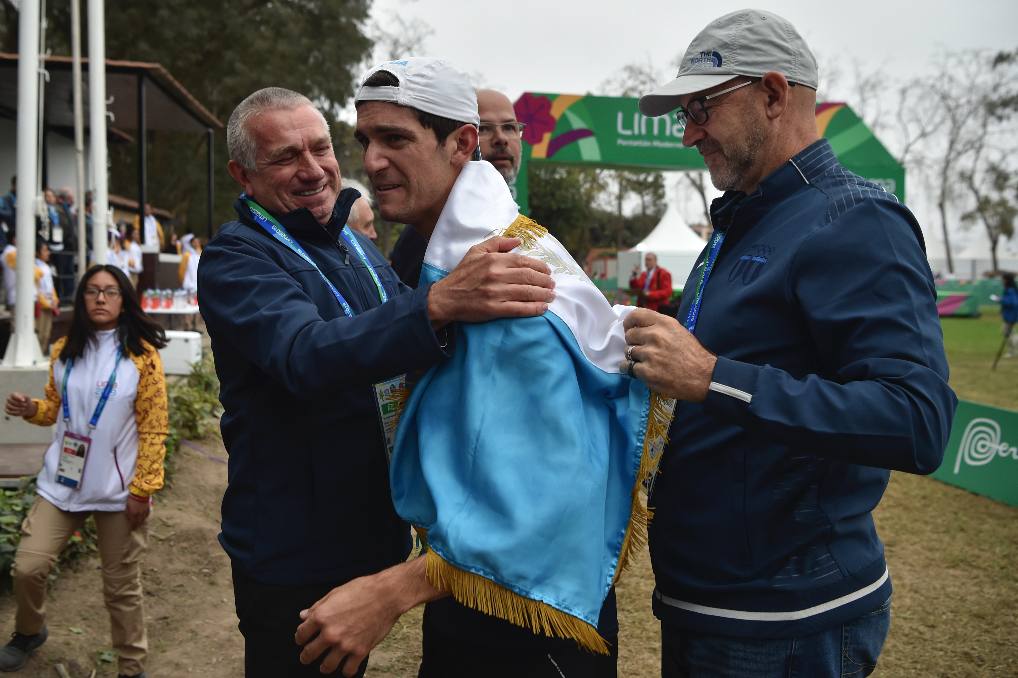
[775,86]
[239,174]
[464,141]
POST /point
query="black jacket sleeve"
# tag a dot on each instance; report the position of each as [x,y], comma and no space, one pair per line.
[881,398]
[264,313]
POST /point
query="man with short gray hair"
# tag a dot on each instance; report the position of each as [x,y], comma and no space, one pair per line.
[313,337]
[809,360]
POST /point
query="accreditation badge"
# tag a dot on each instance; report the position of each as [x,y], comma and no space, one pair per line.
[73,455]
[391,397]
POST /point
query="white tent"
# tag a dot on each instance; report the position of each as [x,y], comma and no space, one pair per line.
[675,244]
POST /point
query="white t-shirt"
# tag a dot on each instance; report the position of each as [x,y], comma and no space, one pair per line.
[134,263]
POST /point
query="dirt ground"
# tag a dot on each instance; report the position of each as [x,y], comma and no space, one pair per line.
[951,555]
[188,591]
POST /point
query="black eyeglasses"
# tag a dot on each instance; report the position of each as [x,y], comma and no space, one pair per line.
[697,111]
[510,129]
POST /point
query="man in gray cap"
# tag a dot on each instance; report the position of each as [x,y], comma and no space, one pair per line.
[808,360]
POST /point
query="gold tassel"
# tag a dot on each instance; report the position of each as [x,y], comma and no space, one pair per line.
[659,419]
[527,230]
[482,594]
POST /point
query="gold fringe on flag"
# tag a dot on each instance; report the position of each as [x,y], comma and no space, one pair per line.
[659,419]
[487,597]
[527,230]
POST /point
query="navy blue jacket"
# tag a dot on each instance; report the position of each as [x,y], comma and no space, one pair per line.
[308,495]
[831,370]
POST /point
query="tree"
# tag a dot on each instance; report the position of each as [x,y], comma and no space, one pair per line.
[990,181]
[220,52]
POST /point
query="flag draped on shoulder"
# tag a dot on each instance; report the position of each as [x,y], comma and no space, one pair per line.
[522,457]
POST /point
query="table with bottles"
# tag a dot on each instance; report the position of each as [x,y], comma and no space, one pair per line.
[169,303]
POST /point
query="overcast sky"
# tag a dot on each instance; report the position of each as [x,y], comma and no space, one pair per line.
[573,46]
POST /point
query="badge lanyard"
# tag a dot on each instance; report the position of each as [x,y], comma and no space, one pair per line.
[279,232]
[708,265]
[390,395]
[103,398]
[75,447]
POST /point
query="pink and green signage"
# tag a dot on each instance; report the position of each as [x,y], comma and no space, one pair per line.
[569,129]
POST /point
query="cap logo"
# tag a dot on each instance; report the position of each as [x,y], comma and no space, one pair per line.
[706,58]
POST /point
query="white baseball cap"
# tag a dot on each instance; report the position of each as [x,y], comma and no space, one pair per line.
[750,42]
[430,85]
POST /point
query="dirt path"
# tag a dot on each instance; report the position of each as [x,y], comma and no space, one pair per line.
[188,591]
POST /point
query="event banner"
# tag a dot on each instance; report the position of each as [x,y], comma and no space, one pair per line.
[982,454]
[569,129]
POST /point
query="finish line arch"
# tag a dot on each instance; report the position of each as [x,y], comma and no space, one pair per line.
[594,131]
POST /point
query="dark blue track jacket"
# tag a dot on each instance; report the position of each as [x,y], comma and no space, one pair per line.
[821,308]
[308,496]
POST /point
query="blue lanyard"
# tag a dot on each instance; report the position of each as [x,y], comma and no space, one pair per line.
[708,265]
[103,398]
[279,232]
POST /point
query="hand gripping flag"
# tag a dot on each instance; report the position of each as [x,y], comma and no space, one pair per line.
[522,457]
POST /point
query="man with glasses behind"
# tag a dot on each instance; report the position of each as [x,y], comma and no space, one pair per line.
[808,360]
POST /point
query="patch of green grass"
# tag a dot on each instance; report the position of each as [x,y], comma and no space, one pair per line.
[971,344]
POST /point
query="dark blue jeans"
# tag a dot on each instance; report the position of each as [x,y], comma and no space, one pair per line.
[850,650]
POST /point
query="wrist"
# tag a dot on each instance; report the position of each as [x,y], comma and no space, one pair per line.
[436,306]
[138,498]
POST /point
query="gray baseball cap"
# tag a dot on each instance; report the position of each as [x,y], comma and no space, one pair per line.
[749,42]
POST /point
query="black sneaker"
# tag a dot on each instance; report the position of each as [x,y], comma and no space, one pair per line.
[138,675]
[14,654]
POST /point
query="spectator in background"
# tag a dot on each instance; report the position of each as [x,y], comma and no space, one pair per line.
[362,218]
[499,134]
[47,303]
[173,243]
[133,250]
[8,207]
[154,235]
[9,262]
[64,261]
[190,253]
[1009,313]
[117,255]
[52,229]
[653,287]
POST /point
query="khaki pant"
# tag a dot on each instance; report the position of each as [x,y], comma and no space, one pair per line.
[44,328]
[44,533]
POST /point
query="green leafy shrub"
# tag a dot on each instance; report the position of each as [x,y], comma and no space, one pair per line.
[194,404]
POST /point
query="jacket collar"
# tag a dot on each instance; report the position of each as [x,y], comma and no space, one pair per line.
[301,224]
[802,169]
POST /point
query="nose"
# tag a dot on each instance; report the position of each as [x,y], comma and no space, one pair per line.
[309,168]
[692,134]
[374,159]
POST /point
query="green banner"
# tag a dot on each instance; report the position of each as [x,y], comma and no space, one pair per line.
[982,454]
[570,129]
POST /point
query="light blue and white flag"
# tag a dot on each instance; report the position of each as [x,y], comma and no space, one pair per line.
[523,455]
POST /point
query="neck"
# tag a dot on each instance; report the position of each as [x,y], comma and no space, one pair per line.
[103,327]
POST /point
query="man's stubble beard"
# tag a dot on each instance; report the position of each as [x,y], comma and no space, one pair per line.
[739,159]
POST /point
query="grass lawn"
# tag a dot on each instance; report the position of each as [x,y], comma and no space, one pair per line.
[953,558]
[971,345]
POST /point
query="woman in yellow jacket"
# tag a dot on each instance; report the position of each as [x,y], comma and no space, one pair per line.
[107,396]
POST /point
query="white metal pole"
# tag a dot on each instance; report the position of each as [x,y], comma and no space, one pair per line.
[23,348]
[97,126]
[79,137]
